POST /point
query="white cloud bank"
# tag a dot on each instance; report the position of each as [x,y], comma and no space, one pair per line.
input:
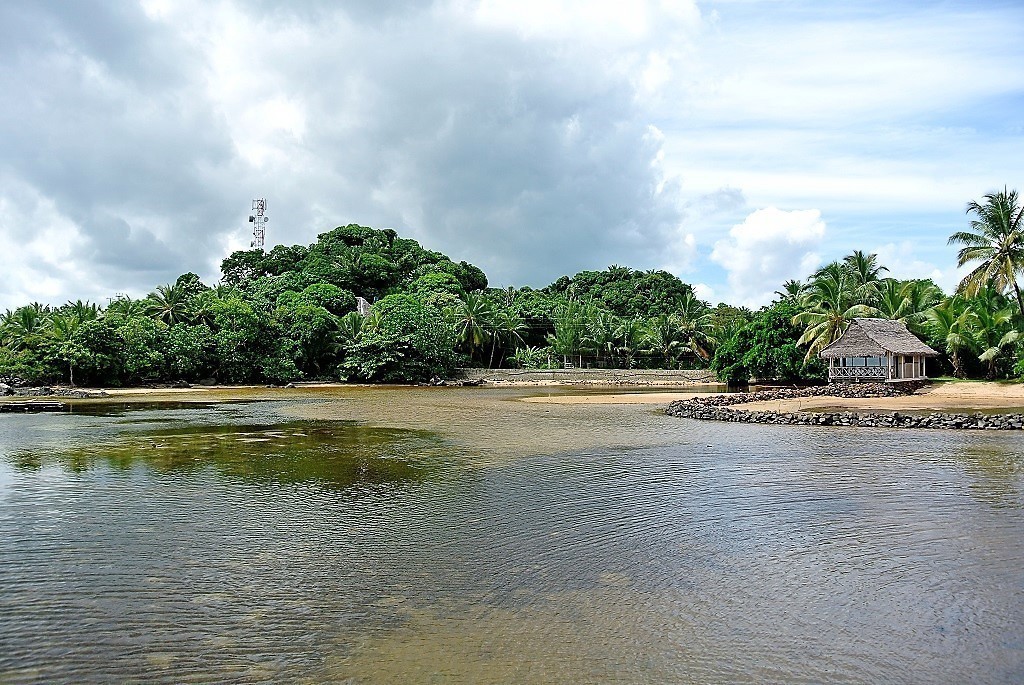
[768,248]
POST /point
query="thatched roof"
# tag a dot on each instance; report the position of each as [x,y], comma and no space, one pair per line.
[875,337]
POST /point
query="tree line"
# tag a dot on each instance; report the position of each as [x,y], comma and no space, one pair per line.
[291,314]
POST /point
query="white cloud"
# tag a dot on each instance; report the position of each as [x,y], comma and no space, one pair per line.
[904,262]
[768,248]
[42,260]
[704,292]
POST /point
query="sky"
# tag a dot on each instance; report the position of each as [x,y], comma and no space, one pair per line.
[736,144]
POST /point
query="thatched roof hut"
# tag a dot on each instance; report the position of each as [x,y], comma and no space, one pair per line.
[877,349]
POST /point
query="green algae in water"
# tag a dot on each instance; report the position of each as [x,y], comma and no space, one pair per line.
[335,455]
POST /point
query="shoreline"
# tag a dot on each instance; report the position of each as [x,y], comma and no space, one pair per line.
[943,396]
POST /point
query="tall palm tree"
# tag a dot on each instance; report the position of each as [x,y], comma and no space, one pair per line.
[569,319]
[696,324]
[864,267]
[168,304]
[792,290]
[833,300]
[996,242]
[630,336]
[473,315]
[599,335]
[663,338]
[507,328]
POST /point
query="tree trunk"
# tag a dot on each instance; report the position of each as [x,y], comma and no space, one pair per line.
[1020,300]
[494,343]
[955,359]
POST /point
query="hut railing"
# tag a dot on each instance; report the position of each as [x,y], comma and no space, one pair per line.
[857,372]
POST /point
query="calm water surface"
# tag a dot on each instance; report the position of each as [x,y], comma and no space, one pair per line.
[460,536]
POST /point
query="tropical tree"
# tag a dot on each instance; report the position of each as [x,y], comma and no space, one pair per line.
[630,337]
[350,328]
[662,338]
[991,322]
[599,334]
[696,325]
[995,242]
[168,303]
[906,301]
[792,290]
[126,306]
[865,271]
[507,329]
[20,327]
[529,357]
[473,320]
[833,300]
[949,322]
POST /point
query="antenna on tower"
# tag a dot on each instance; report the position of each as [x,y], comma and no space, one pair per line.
[259,220]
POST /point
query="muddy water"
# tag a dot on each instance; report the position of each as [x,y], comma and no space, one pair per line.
[462,536]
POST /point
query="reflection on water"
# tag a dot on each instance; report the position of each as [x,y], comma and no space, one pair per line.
[233,544]
[334,455]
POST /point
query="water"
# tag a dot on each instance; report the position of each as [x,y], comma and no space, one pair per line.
[331,537]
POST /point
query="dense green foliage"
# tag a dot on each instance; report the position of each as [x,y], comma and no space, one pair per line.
[767,348]
[290,314]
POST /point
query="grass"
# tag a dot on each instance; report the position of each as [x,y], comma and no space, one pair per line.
[952,379]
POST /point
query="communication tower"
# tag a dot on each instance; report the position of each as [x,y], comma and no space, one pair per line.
[259,220]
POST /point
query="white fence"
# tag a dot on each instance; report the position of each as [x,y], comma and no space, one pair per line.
[858,372]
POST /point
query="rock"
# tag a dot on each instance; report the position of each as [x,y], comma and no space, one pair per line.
[6,389]
[208,381]
[715,408]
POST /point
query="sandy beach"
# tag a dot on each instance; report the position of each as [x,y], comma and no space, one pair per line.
[946,396]
[951,396]
[941,396]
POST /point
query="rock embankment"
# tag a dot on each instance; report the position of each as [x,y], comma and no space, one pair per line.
[14,387]
[716,408]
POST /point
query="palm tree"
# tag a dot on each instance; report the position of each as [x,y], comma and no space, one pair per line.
[350,328]
[508,328]
[833,299]
[24,324]
[168,304]
[570,319]
[697,329]
[599,334]
[996,241]
[906,301]
[949,321]
[865,270]
[792,290]
[630,336]
[991,322]
[473,315]
[126,307]
[662,336]
[82,311]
